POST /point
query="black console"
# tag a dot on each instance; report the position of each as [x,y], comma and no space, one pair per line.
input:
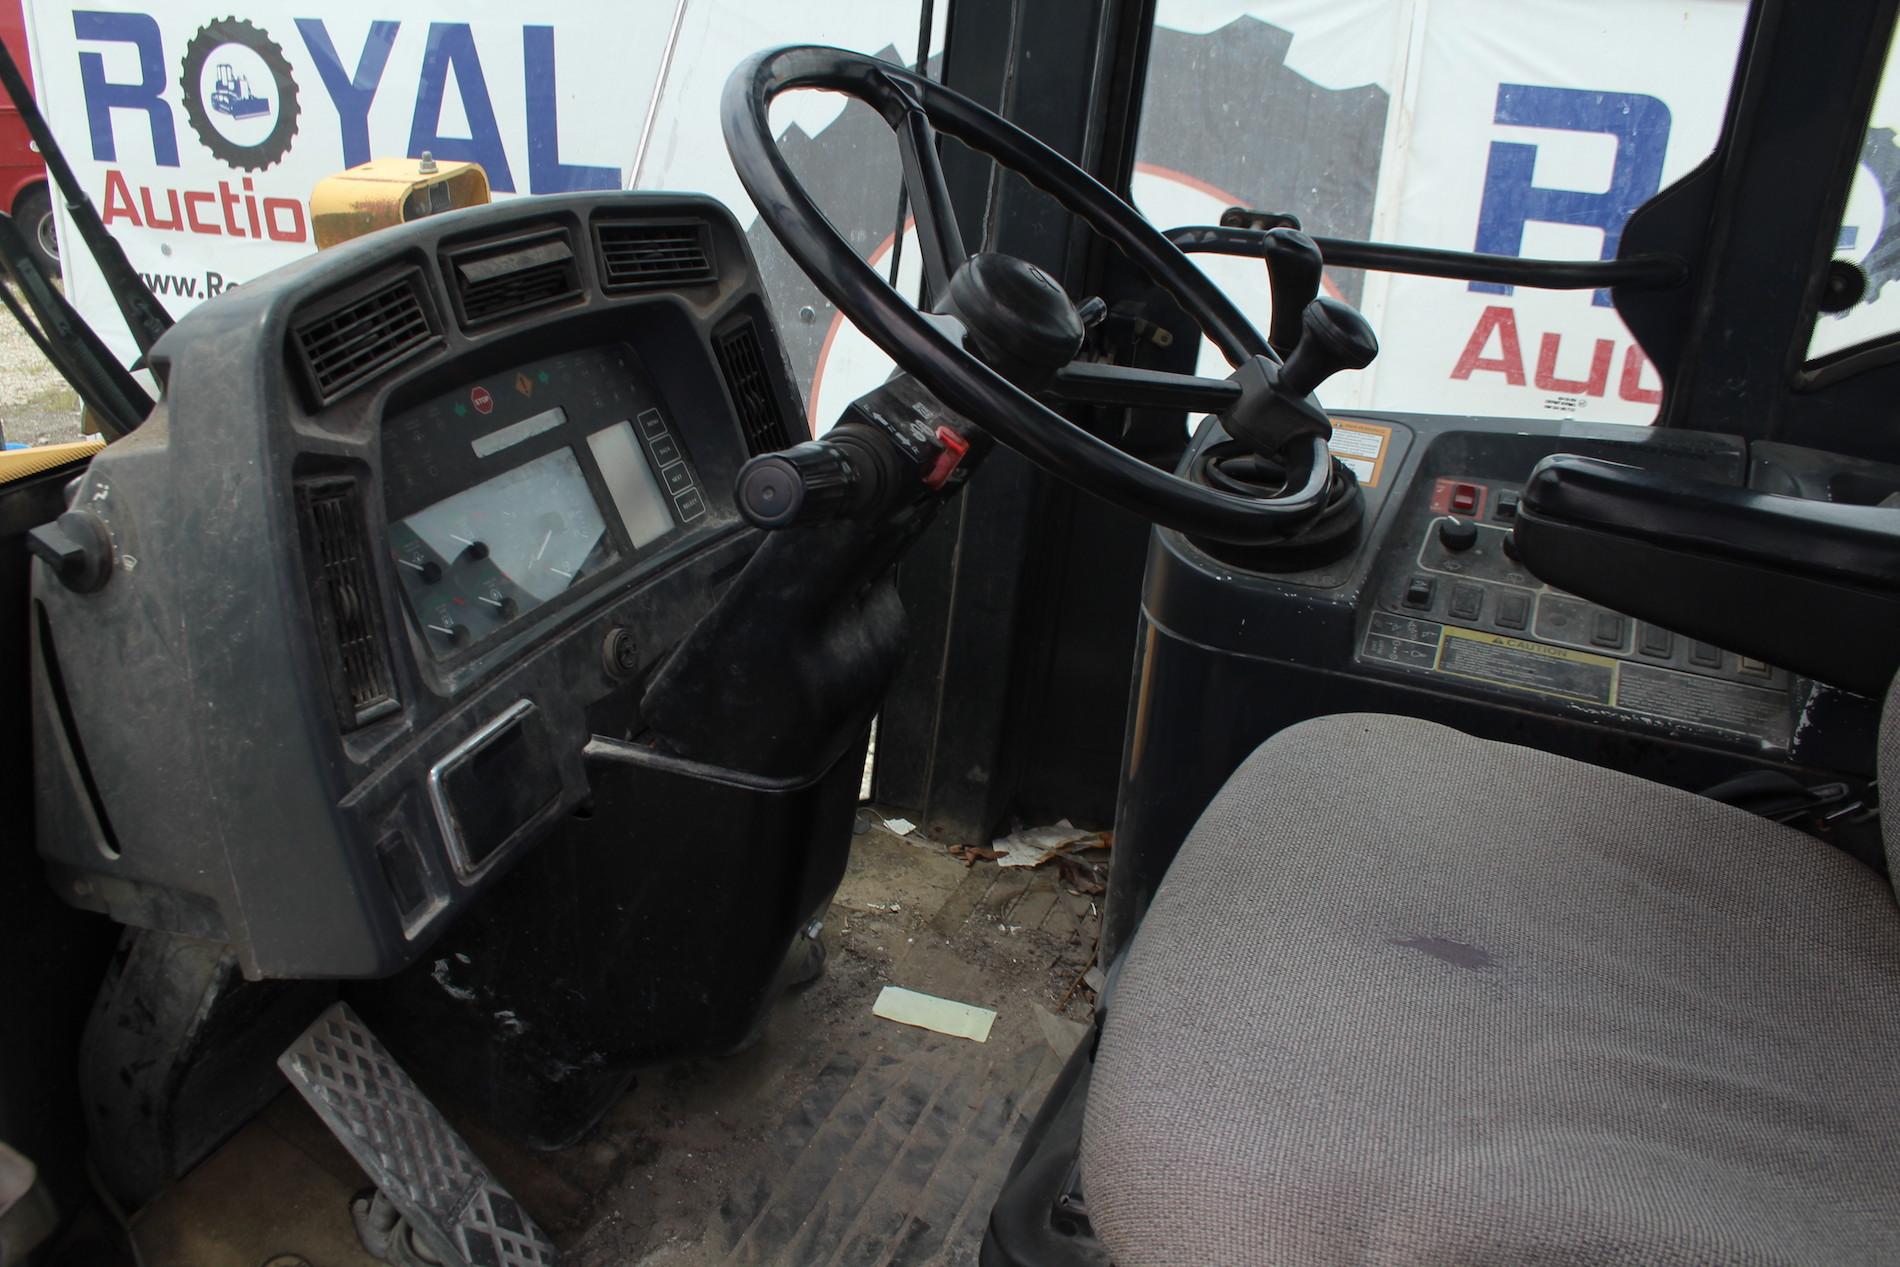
[1435,612]
[1461,607]
[320,649]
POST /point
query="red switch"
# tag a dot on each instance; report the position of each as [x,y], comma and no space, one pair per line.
[954,447]
[1458,497]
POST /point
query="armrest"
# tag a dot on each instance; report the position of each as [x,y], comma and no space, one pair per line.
[1811,586]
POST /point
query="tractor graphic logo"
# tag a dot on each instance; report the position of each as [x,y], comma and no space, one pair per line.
[239,95]
[232,95]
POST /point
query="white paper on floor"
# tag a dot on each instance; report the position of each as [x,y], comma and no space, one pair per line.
[1033,846]
[927,1011]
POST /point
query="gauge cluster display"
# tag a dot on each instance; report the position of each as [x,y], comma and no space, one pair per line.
[490,554]
[509,494]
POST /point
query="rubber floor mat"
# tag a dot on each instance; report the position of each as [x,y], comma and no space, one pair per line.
[855,1141]
[839,1138]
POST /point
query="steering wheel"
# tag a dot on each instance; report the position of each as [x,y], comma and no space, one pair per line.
[929,347]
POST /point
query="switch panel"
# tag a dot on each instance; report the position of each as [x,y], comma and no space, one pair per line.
[1453,601]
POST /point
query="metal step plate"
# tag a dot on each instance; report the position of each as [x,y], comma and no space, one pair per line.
[454,1206]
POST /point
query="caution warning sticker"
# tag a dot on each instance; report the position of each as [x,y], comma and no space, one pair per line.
[1529,666]
[1362,447]
[1583,677]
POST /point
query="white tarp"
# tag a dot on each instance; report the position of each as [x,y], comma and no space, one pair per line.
[1501,122]
[1532,127]
[200,135]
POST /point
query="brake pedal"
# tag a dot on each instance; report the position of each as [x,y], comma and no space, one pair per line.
[454,1207]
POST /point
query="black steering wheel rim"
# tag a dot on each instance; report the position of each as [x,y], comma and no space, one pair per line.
[920,346]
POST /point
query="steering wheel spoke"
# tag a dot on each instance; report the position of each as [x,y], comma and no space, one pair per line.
[939,237]
[1097,383]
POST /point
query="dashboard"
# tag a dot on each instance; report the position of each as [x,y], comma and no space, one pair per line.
[413,521]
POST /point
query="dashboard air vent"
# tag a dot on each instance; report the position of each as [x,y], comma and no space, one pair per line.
[635,254]
[497,280]
[743,362]
[351,343]
[343,592]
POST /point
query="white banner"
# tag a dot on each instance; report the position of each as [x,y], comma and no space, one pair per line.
[199,135]
[1527,129]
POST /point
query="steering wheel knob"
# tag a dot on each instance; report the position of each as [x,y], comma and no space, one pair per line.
[1017,319]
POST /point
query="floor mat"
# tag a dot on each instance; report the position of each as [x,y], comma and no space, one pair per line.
[839,1138]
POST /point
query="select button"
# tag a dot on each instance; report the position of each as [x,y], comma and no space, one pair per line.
[1608,631]
[690,504]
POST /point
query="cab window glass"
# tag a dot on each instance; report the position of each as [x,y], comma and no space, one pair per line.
[1532,128]
[1870,231]
[204,179]
[839,149]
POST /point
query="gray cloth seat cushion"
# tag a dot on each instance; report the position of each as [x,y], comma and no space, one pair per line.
[1412,997]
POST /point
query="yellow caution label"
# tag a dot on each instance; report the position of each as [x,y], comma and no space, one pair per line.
[1528,666]
[1361,446]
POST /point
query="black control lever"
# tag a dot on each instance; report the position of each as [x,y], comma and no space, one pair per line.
[855,472]
[1276,405]
[1294,266]
[895,445]
[813,482]
[1334,337]
[78,547]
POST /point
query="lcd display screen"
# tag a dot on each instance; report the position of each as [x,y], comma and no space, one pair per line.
[483,558]
[643,508]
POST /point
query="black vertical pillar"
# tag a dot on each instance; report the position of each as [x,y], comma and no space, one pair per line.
[968,724]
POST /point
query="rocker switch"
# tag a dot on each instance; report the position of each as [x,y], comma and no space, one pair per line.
[1419,592]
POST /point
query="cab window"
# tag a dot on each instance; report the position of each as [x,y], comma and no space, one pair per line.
[1530,129]
[1870,233]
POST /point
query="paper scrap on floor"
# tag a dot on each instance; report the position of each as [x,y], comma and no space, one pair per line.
[1032,846]
[927,1011]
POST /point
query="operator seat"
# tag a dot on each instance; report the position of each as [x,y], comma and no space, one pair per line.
[1407,996]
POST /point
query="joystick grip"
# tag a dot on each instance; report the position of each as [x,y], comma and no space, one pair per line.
[1294,266]
[1333,337]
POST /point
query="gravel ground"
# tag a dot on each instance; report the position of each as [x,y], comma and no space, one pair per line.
[36,406]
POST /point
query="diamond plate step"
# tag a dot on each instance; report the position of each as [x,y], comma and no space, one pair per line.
[452,1204]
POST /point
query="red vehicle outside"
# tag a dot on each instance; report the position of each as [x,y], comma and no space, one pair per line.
[23,189]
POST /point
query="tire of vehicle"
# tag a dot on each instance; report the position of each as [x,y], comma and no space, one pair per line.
[34,212]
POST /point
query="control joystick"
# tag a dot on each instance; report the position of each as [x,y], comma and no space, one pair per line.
[1333,337]
[1294,266]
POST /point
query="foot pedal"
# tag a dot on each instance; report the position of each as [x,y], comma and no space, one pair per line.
[457,1210]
